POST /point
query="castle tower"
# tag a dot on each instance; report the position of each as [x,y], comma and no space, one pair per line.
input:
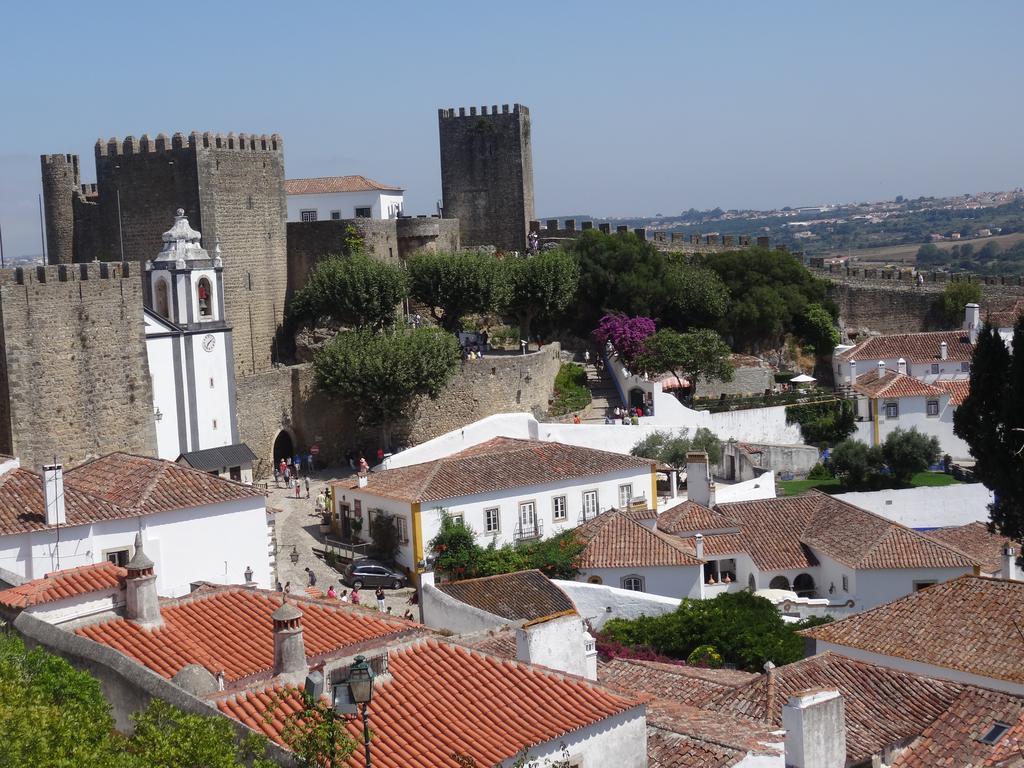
[61,182]
[487,174]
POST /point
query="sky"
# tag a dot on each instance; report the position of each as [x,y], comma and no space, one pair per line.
[637,108]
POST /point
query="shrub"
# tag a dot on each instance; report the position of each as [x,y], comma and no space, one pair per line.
[819,472]
[705,656]
[908,451]
[571,393]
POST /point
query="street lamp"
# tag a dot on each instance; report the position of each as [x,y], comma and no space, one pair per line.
[248,574]
[360,686]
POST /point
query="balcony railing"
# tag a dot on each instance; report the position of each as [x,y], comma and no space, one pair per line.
[529,531]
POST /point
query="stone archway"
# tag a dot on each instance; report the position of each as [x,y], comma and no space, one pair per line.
[803,585]
[779,582]
[284,446]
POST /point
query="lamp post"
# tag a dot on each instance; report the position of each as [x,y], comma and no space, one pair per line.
[360,685]
[248,574]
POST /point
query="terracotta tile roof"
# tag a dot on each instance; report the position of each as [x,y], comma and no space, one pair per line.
[322,185]
[494,642]
[1007,318]
[977,542]
[675,682]
[713,728]
[954,739]
[613,540]
[522,596]
[70,582]
[230,629]
[499,464]
[691,517]
[145,485]
[970,624]
[443,699]
[894,384]
[958,389]
[912,347]
[771,530]
[22,507]
[883,706]
[666,749]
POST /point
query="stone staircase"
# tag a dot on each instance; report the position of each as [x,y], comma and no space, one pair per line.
[603,395]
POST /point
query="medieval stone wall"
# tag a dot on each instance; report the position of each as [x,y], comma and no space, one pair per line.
[426,233]
[60,181]
[74,381]
[487,174]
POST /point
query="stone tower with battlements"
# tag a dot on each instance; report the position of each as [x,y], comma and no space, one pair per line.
[487,173]
[231,188]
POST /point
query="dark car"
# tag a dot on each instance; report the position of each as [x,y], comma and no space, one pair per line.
[373,573]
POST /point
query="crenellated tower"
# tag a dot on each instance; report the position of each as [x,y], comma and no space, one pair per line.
[61,184]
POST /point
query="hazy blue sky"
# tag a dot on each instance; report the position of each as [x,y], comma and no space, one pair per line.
[638,108]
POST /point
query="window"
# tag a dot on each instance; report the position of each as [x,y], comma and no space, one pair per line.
[458,519]
[117,556]
[846,583]
[235,473]
[965,367]
[633,583]
[335,215]
[933,407]
[162,302]
[594,580]
[995,733]
[589,504]
[892,410]
[558,508]
[211,382]
[214,423]
[357,508]
[205,296]
[919,585]
[935,367]
[625,494]
[492,520]
[527,515]
[364,213]
[307,215]
[402,526]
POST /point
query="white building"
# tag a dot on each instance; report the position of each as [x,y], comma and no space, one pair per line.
[195,526]
[505,490]
[342,197]
[928,356]
[189,348]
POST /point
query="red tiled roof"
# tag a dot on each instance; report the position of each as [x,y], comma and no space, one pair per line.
[912,347]
[493,642]
[894,384]
[1007,318]
[328,184]
[883,706]
[666,749]
[613,540]
[496,465]
[521,596]
[691,517]
[22,507]
[231,630]
[70,582]
[958,389]
[970,624]
[771,530]
[677,682]
[442,700]
[711,727]
[976,541]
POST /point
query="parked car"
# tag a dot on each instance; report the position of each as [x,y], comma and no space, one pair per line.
[373,573]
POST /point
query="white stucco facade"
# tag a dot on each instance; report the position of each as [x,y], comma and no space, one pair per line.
[619,740]
[347,205]
[679,581]
[882,416]
[213,543]
[597,603]
[948,505]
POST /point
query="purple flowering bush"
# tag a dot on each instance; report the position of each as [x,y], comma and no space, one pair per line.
[627,334]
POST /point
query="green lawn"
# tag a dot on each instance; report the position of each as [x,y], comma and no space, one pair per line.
[920,480]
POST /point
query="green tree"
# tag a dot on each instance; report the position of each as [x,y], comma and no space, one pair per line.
[665,447]
[907,452]
[694,296]
[854,463]
[824,424]
[380,374]
[354,290]
[454,285]
[693,355]
[955,297]
[707,441]
[817,327]
[540,287]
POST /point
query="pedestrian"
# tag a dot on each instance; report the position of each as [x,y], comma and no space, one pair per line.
[355,596]
[281,467]
[380,455]
[380,599]
[310,576]
[407,615]
[309,462]
[351,459]
[287,476]
[321,503]
[298,488]
[363,466]
[278,587]
[586,356]
[575,418]
[277,477]
[331,594]
[307,485]
[297,461]
[287,587]
[484,340]
[389,610]
[344,596]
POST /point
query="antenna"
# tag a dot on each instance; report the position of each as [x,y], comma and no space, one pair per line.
[120,231]
[42,229]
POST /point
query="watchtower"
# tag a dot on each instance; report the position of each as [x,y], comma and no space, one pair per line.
[61,182]
[487,173]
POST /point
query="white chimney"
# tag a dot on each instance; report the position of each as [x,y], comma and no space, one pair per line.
[972,321]
[53,494]
[558,643]
[699,487]
[363,480]
[1009,564]
[590,655]
[901,366]
[142,605]
[881,368]
[815,730]
[943,351]
[853,371]
[698,546]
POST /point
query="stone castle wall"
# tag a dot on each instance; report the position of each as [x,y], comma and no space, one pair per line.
[676,242]
[75,381]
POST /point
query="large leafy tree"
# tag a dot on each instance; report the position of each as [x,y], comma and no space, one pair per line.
[454,285]
[540,287]
[354,290]
[380,374]
[671,448]
[907,451]
[693,355]
[991,422]
[955,296]
[694,296]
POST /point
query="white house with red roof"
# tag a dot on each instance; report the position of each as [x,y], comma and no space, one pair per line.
[342,197]
[196,526]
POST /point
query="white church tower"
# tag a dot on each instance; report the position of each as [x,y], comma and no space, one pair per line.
[188,344]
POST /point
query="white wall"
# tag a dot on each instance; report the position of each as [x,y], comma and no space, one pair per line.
[384,205]
[68,609]
[441,611]
[878,586]
[406,552]
[668,581]
[926,507]
[762,487]
[599,602]
[213,404]
[556,643]
[830,572]
[160,354]
[913,413]
[948,369]
[619,741]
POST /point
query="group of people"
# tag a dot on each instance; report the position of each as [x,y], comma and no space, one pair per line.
[626,415]
[294,471]
[361,465]
[355,596]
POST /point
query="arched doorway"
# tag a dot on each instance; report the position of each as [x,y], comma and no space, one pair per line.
[803,585]
[636,398]
[284,447]
[779,582]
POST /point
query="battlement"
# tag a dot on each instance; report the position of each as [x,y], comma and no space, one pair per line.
[67,273]
[60,159]
[247,142]
[451,113]
[909,276]
[89,190]
[673,241]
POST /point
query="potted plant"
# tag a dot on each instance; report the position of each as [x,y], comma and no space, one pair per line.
[325,522]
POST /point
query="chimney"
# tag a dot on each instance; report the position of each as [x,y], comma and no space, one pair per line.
[943,351]
[972,321]
[142,604]
[815,730]
[853,371]
[699,486]
[363,481]
[590,656]
[901,366]
[1009,564]
[881,368]
[558,643]
[698,545]
[53,494]
[289,645]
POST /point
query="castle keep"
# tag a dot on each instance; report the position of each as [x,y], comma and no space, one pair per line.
[487,174]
